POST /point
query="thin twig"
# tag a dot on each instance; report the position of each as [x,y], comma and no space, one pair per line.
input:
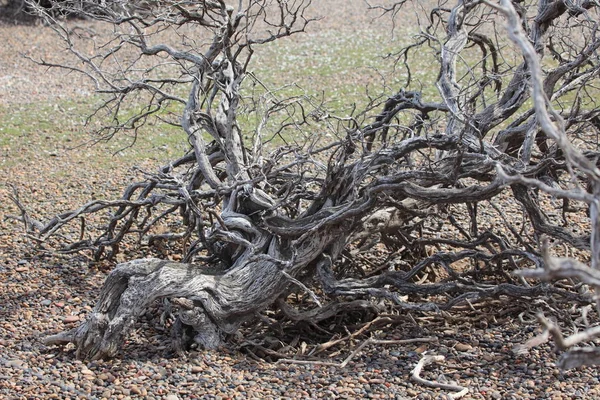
[357,350]
[303,287]
[331,343]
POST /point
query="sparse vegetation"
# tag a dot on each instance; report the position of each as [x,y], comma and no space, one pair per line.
[419,191]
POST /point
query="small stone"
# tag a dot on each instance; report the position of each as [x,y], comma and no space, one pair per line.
[463,347]
[16,363]
[421,349]
[172,396]
[46,302]
[103,377]
[71,319]
[86,371]
[21,269]
[135,390]
[196,369]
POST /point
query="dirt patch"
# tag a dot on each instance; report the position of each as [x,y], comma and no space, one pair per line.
[22,80]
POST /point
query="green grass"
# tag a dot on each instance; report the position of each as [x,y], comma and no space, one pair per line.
[341,71]
[329,63]
[59,128]
[333,68]
[337,69]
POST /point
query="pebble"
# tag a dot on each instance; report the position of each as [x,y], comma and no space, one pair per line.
[15,363]
[463,347]
[71,319]
[421,349]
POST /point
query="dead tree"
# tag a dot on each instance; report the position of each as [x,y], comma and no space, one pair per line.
[422,203]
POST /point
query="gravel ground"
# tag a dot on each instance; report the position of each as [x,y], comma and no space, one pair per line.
[42,293]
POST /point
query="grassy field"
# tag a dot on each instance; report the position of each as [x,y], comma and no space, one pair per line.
[342,62]
[334,66]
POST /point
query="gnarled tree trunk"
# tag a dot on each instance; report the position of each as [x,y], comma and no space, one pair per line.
[396,206]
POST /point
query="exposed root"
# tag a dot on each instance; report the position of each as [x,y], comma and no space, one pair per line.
[426,360]
[210,305]
[60,339]
[128,291]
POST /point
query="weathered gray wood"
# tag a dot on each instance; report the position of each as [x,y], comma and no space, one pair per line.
[220,302]
[364,214]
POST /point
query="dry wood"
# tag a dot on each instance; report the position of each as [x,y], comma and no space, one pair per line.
[553,125]
[416,203]
[357,350]
[426,360]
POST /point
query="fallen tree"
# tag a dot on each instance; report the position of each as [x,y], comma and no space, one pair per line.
[422,203]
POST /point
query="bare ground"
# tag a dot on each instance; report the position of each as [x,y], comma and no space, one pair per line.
[42,292]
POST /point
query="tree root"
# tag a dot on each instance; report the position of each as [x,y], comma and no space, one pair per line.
[133,286]
[426,360]
[210,304]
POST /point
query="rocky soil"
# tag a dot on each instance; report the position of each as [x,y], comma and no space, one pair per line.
[42,292]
